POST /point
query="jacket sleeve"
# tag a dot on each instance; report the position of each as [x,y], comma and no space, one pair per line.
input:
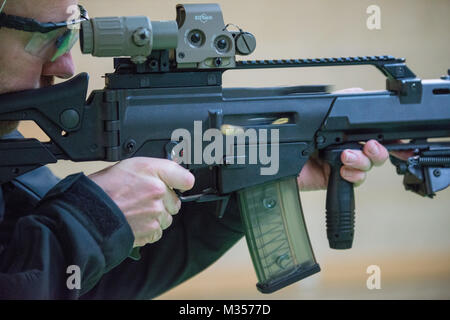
[196,239]
[75,224]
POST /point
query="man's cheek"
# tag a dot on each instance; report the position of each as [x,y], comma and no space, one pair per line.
[18,83]
[20,76]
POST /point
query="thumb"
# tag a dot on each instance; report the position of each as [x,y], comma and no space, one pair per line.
[175,176]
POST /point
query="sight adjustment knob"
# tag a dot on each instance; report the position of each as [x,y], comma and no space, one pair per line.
[245,43]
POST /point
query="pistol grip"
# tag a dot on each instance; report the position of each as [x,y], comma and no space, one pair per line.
[276,234]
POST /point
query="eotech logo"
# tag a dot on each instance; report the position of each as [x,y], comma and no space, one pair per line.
[204,18]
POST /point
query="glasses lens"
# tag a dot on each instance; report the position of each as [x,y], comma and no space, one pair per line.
[52,45]
[65,43]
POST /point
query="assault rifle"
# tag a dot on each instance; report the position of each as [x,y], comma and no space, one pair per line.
[169,76]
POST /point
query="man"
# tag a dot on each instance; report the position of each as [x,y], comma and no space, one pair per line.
[93,222]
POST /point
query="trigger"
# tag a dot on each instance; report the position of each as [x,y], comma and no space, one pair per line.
[207,195]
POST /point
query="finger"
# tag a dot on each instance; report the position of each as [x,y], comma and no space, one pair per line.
[157,235]
[356,159]
[165,220]
[153,234]
[151,238]
[171,202]
[158,216]
[376,152]
[175,176]
[353,175]
[147,227]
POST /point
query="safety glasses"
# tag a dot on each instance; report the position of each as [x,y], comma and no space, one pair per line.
[49,40]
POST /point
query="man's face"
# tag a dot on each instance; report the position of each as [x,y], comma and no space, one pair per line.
[20,70]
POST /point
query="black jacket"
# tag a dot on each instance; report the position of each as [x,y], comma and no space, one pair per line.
[47,225]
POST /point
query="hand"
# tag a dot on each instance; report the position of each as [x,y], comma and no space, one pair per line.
[143,189]
[356,163]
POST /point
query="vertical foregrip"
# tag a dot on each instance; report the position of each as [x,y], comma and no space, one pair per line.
[340,208]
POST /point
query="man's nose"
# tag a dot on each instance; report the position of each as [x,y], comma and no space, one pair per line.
[63,67]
